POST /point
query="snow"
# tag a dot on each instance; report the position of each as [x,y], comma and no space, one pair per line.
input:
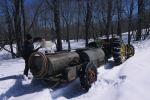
[129,81]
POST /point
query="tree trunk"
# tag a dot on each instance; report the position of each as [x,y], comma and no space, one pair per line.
[140,15]
[68,37]
[88,20]
[93,31]
[119,11]
[57,24]
[17,22]
[10,28]
[130,21]
[23,18]
[112,30]
[109,18]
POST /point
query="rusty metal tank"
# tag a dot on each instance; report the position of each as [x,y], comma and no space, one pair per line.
[96,56]
[51,64]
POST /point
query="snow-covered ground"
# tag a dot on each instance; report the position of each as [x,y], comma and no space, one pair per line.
[129,81]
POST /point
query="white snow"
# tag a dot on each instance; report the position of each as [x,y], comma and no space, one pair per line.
[129,81]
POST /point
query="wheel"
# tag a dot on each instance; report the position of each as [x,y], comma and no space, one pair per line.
[130,50]
[119,51]
[88,75]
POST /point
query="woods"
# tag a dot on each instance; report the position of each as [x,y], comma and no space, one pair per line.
[72,20]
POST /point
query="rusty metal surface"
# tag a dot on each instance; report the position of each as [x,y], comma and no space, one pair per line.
[58,62]
[97,56]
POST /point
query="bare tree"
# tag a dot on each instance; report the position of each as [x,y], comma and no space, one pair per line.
[23,17]
[106,15]
[78,17]
[146,18]
[35,15]
[10,27]
[119,17]
[140,19]
[129,12]
[57,23]
[99,18]
[17,25]
[67,16]
[88,20]
[130,20]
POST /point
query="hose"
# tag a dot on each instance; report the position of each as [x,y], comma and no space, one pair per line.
[44,69]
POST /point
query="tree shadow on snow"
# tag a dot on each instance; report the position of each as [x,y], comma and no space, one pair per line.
[9,77]
[19,89]
[67,90]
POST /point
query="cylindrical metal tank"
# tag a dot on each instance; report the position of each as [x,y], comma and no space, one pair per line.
[96,56]
[51,64]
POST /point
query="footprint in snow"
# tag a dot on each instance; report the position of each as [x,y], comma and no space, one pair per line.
[115,82]
[122,77]
[120,80]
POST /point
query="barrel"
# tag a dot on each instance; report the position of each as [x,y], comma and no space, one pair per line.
[42,65]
